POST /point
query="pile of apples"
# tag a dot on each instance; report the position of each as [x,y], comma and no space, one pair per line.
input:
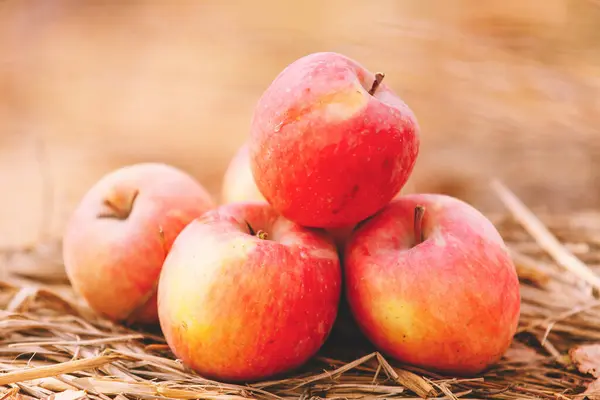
[311,215]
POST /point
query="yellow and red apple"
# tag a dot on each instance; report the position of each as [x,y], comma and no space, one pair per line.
[246,294]
[120,233]
[330,143]
[430,283]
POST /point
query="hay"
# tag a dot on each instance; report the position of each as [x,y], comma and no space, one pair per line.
[52,346]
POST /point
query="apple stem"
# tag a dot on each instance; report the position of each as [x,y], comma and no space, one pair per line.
[250,228]
[378,78]
[418,226]
[259,234]
[119,207]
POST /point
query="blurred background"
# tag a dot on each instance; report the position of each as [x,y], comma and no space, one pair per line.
[502,88]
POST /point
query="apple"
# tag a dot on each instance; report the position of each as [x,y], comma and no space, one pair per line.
[430,283]
[246,294]
[118,236]
[330,143]
[238,182]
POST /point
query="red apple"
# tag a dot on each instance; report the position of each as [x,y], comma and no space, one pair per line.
[330,143]
[246,294]
[430,283]
[238,182]
[119,234]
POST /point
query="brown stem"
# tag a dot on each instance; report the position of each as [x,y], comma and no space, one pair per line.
[378,78]
[418,224]
[250,228]
[119,205]
[259,234]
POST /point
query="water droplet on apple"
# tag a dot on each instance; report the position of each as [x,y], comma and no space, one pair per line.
[278,127]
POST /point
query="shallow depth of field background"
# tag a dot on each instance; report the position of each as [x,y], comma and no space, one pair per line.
[509,89]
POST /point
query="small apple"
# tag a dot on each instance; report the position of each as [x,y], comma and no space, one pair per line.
[330,143]
[118,236]
[430,283]
[238,182]
[246,294]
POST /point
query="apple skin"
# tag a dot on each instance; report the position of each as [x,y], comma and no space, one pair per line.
[342,234]
[239,186]
[238,182]
[449,304]
[235,307]
[323,151]
[114,263]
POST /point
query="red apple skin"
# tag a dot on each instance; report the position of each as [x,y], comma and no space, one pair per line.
[342,234]
[238,182]
[323,151]
[235,307]
[450,304]
[115,263]
[239,186]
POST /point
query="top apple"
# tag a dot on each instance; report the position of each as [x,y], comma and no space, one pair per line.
[330,143]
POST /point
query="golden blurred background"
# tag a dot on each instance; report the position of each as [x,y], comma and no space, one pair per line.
[506,89]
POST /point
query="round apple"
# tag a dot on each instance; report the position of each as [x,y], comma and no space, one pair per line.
[120,233]
[330,143]
[246,294]
[430,283]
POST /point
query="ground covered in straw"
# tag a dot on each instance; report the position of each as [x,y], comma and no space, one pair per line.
[52,346]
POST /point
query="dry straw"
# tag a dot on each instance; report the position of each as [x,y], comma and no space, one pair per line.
[52,346]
